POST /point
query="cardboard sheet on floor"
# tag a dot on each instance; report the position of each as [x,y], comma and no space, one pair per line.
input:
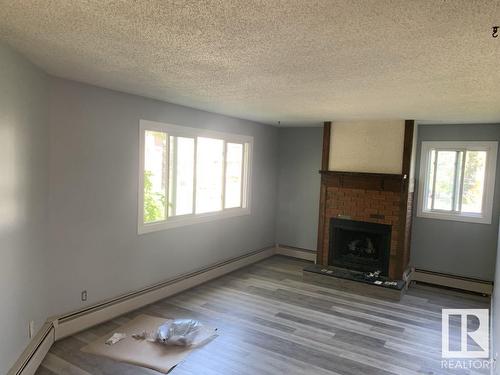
[141,352]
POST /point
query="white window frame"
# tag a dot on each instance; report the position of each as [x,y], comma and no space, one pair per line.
[489,183]
[194,218]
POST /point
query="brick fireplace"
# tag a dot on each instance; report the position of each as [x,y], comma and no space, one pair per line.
[368,198]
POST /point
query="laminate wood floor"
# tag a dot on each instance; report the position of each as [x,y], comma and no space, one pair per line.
[271,322]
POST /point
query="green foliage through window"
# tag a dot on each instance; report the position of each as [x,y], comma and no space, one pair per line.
[154,203]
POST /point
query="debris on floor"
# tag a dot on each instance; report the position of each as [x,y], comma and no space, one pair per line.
[179,332]
[115,338]
[140,347]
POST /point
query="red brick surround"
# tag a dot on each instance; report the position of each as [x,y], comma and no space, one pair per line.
[370,197]
[364,205]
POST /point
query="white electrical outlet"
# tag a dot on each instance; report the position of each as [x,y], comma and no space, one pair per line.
[31,329]
[84,295]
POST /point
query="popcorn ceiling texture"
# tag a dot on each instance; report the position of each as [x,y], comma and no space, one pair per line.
[300,62]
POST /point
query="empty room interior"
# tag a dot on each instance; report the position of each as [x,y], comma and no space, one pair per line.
[249,187]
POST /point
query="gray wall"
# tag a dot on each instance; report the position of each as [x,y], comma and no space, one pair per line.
[23,202]
[94,162]
[495,303]
[465,249]
[89,238]
[298,186]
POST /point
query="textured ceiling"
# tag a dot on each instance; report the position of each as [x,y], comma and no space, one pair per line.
[298,62]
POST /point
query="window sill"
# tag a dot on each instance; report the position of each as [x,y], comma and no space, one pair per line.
[446,216]
[185,220]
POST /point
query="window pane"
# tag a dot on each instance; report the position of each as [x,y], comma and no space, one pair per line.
[234,171]
[475,166]
[430,180]
[181,176]
[458,179]
[445,180]
[209,171]
[155,149]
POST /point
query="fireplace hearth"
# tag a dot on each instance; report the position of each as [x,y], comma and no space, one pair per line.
[359,246]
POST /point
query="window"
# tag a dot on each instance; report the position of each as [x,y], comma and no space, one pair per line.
[190,175]
[457,180]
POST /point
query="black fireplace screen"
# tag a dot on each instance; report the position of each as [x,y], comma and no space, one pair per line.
[359,245]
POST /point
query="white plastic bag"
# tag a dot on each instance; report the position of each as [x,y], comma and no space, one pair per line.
[180,332]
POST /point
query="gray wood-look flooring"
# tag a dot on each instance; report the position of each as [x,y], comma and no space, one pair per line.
[271,322]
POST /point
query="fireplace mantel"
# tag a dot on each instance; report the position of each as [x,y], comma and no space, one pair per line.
[370,197]
[360,180]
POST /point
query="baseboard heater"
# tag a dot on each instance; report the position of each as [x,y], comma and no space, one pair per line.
[296,252]
[57,328]
[35,352]
[452,281]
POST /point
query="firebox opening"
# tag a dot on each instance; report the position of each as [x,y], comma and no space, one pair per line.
[359,246]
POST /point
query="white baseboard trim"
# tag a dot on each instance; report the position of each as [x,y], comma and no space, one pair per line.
[78,321]
[35,352]
[56,328]
[451,281]
[296,252]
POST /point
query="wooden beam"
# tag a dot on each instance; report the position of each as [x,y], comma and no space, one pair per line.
[325,159]
[405,217]
[407,147]
[320,257]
